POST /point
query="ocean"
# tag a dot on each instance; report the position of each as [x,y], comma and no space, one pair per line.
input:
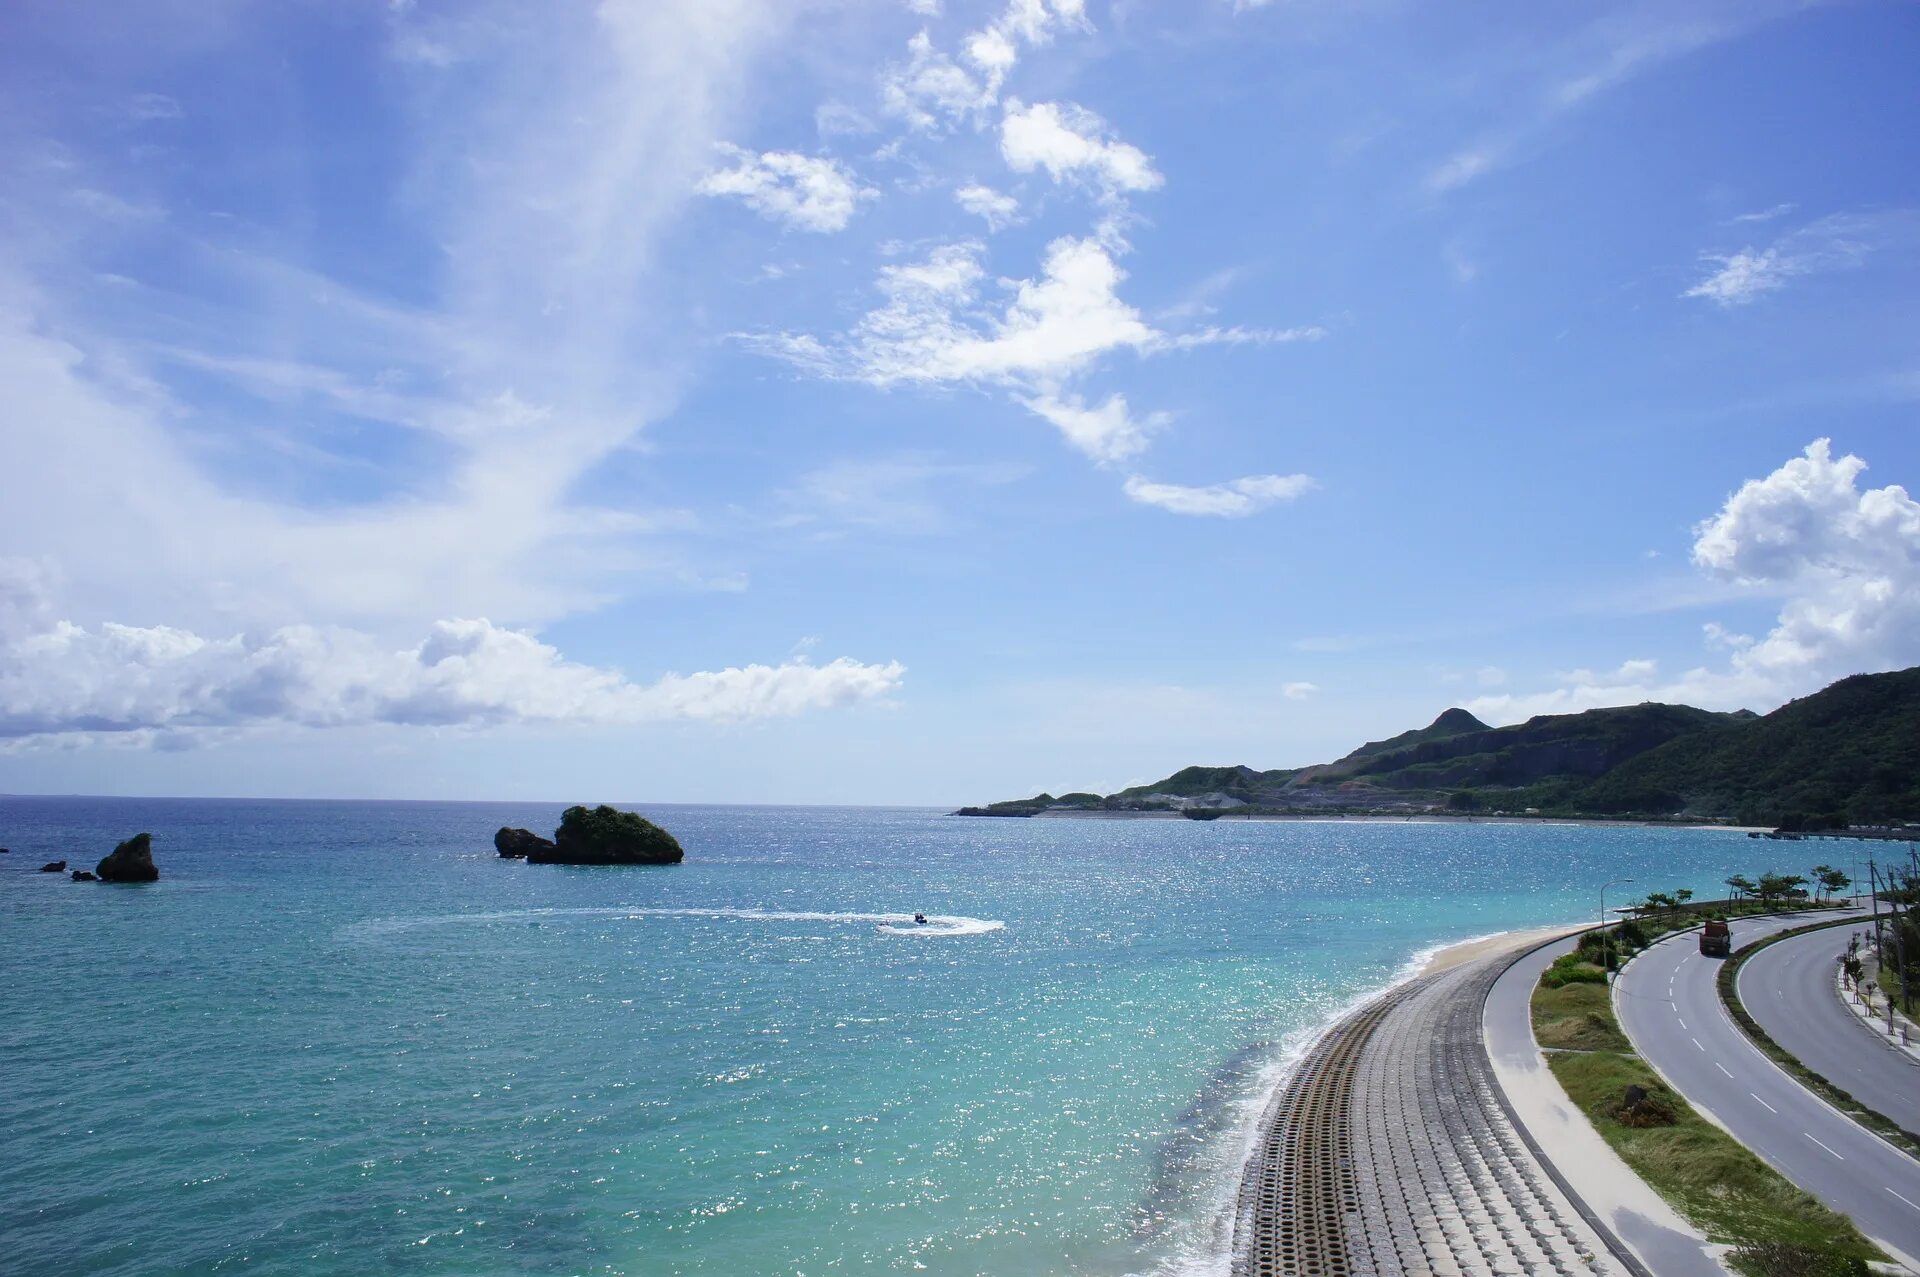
[347,1038]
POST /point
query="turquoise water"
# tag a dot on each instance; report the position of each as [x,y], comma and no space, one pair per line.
[346,1038]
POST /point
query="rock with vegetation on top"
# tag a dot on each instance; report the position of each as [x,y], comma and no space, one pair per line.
[605,836]
[54,867]
[131,861]
[517,843]
[81,875]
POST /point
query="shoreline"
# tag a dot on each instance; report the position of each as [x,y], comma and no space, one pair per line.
[1421,818]
[1215,1255]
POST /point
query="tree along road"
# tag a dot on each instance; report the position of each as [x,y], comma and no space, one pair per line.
[1668,1001]
[1789,988]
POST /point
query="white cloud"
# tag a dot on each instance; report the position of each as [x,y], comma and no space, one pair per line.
[61,680]
[1836,242]
[930,89]
[1107,433]
[1742,277]
[1072,143]
[1463,167]
[1847,563]
[934,328]
[545,337]
[1234,499]
[997,209]
[808,193]
[1763,215]
[1299,691]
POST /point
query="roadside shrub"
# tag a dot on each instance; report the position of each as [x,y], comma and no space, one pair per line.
[1572,968]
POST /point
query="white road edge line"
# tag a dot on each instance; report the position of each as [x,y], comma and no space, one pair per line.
[1822,1145]
[1764,1104]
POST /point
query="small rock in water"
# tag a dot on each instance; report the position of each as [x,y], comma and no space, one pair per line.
[515,843]
[131,861]
[81,875]
[605,836]
[54,867]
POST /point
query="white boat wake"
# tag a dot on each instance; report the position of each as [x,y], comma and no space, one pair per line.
[892,924]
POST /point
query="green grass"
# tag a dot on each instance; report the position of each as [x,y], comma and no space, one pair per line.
[1576,1017]
[1702,1172]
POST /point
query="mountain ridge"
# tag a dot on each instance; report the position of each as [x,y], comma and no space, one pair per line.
[1849,751]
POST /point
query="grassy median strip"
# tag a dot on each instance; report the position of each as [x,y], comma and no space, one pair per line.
[1729,977]
[1703,1173]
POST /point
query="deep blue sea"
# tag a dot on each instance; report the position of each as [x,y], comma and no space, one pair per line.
[346,1038]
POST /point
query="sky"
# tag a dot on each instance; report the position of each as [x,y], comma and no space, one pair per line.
[925,402]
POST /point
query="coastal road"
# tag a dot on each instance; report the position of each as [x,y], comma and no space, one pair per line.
[1788,988]
[1599,1182]
[1668,1002]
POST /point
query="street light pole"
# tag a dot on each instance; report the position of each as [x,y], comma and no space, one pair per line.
[1606,967]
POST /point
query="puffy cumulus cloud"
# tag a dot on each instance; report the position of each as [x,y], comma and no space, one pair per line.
[806,192]
[1234,499]
[934,327]
[1106,433]
[1073,144]
[999,210]
[1848,560]
[59,681]
[1846,563]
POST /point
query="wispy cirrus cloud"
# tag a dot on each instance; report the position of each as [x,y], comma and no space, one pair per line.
[1234,499]
[1841,241]
[225,439]
[1553,81]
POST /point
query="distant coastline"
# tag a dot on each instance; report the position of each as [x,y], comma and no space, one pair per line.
[1839,760]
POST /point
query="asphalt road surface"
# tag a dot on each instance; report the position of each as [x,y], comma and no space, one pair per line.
[1669,1003]
[1788,988]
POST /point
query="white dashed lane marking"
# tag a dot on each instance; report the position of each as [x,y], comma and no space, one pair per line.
[1822,1145]
[1764,1104]
[1696,1042]
[1721,1067]
[1903,1197]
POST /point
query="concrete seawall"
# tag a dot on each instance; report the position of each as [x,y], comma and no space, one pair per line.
[1389,1153]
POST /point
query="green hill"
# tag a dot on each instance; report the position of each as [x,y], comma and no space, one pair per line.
[1851,751]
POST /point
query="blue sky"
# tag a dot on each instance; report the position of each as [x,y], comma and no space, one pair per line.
[930,402]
